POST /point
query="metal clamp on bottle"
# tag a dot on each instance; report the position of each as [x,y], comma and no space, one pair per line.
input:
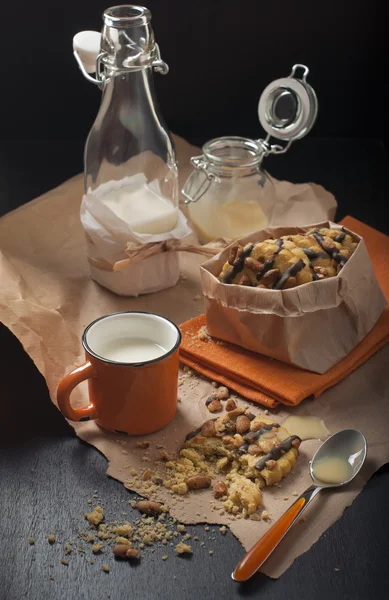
[91,59]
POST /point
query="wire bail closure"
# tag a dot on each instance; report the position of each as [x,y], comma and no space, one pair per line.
[100,79]
[199,164]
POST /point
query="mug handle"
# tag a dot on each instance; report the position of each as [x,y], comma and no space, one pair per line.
[65,388]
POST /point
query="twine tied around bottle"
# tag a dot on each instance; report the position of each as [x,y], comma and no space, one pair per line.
[137,252]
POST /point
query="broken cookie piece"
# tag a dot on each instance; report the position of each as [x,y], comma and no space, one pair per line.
[255,452]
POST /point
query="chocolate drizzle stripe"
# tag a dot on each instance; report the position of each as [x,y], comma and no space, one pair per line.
[340,237]
[239,265]
[210,399]
[242,449]
[291,272]
[332,252]
[312,255]
[276,452]
[254,435]
[268,264]
[192,434]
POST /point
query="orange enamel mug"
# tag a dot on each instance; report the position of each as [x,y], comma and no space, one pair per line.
[132,372]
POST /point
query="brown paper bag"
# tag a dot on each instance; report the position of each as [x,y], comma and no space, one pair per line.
[312,326]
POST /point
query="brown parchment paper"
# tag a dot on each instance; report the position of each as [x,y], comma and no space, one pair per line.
[47,298]
[286,324]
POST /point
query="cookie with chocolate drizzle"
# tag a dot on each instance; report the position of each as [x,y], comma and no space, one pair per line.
[289,261]
[263,451]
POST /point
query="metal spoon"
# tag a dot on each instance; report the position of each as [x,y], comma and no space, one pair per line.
[349,447]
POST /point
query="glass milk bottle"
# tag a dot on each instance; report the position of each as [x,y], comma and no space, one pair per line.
[131,183]
[229,194]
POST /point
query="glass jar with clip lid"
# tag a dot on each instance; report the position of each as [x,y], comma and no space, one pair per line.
[229,194]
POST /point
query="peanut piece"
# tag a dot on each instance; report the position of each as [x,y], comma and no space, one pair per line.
[230,405]
[321,271]
[229,442]
[198,482]
[232,255]
[215,406]
[208,429]
[271,464]
[219,489]
[254,450]
[147,475]
[163,455]
[253,265]
[234,414]
[242,424]
[270,277]
[149,507]
[122,551]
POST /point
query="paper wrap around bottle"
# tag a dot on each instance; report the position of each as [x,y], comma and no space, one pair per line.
[312,326]
[131,211]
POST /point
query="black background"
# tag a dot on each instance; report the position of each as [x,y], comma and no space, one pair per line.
[221,56]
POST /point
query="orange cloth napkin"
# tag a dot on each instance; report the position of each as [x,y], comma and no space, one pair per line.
[268,381]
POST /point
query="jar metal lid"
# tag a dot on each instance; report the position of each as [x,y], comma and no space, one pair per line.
[288,107]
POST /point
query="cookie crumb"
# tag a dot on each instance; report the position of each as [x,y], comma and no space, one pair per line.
[164,557]
[64,562]
[266,412]
[31,541]
[295,493]
[223,530]
[286,497]
[337,569]
[105,568]
[203,334]
[265,515]
[51,539]
[197,297]
[96,516]
[68,548]
[182,548]
[145,444]
[97,547]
